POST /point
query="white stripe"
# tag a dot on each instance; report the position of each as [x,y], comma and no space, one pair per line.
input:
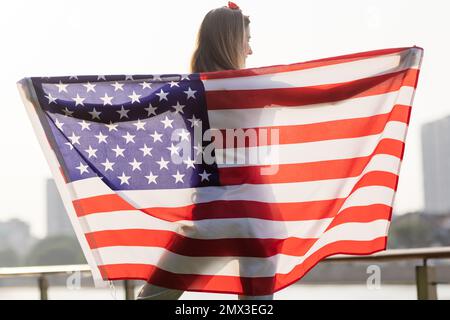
[323,150]
[238,266]
[309,114]
[337,73]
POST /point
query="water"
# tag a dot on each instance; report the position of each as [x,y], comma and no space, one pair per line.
[294,292]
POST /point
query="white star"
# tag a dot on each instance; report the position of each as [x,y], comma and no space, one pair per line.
[50,98]
[178,177]
[84,125]
[112,126]
[145,85]
[135,164]
[134,97]
[61,87]
[73,77]
[151,110]
[163,95]
[162,164]
[156,136]
[95,114]
[89,87]
[204,175]
[185,77]
[173,149]
[82,168]
[146,150]
[151,178]
[101,138]
[118,151]
[74,139]
[190,93]
[108,165]
[156,77]
[139,125]
[59,124]
[123,113]
[70,145]
[199,148]
[179,107]
[78,100]
[129,137]
[174,84]
[129,77]
[124,179]
[67,112]
[194,121]
[100,77]
[91,152]
[167,123]
[190,163]
[106,99]
[117,86]
[184,135]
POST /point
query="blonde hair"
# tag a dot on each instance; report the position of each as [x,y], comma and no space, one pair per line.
[220,41]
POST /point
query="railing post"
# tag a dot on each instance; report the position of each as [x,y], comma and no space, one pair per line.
[426,282]
[128,286]
[43,287]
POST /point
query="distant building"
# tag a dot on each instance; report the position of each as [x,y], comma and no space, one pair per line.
[58,222]
[436,165]
[15,234]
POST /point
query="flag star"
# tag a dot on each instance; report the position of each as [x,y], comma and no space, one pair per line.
[173,149]
[129,137]
[145,85]
[95,114]
[50,98]
[156,136]
[118,151]
[61,87]
[111,126]
[82,168]
[146,150]
[74,139]
[179,107]
[78,100]
[124,179]
[156,77]
[106,99]
[199,148]
[101,77]
[162,164]
[117,86]
[129,77]
[162,95]
[178,177]
[134,97]
[139,125]
[73,77]
[123,113]
[151,110]
[190,93]
[89,87]
[204,175]
[91,152]
[101,138]
[174,84]
[190,163]
[59,124]
[108,165]
[67,112]
[194,121]
[151,178]
[135,164]
[167,123]
[70,145]
[184,135]
[185,77]
[84,125]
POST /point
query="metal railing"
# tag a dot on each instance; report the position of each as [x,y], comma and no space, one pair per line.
[425,274]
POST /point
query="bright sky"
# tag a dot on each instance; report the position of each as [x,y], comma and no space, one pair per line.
[50,38]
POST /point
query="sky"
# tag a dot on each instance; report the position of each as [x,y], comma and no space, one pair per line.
[56,38]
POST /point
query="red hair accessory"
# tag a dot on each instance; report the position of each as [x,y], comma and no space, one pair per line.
[233,6]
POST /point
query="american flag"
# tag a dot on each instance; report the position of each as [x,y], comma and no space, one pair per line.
[314,175]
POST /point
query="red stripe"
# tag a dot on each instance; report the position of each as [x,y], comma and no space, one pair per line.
[329,130]
[238,285]
[299,96]
[299,66]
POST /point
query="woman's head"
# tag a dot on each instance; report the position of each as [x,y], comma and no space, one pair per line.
[222,41]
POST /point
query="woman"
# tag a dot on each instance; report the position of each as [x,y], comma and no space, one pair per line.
[222,44]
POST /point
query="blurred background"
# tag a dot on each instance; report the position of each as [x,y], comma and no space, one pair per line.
[53,38]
